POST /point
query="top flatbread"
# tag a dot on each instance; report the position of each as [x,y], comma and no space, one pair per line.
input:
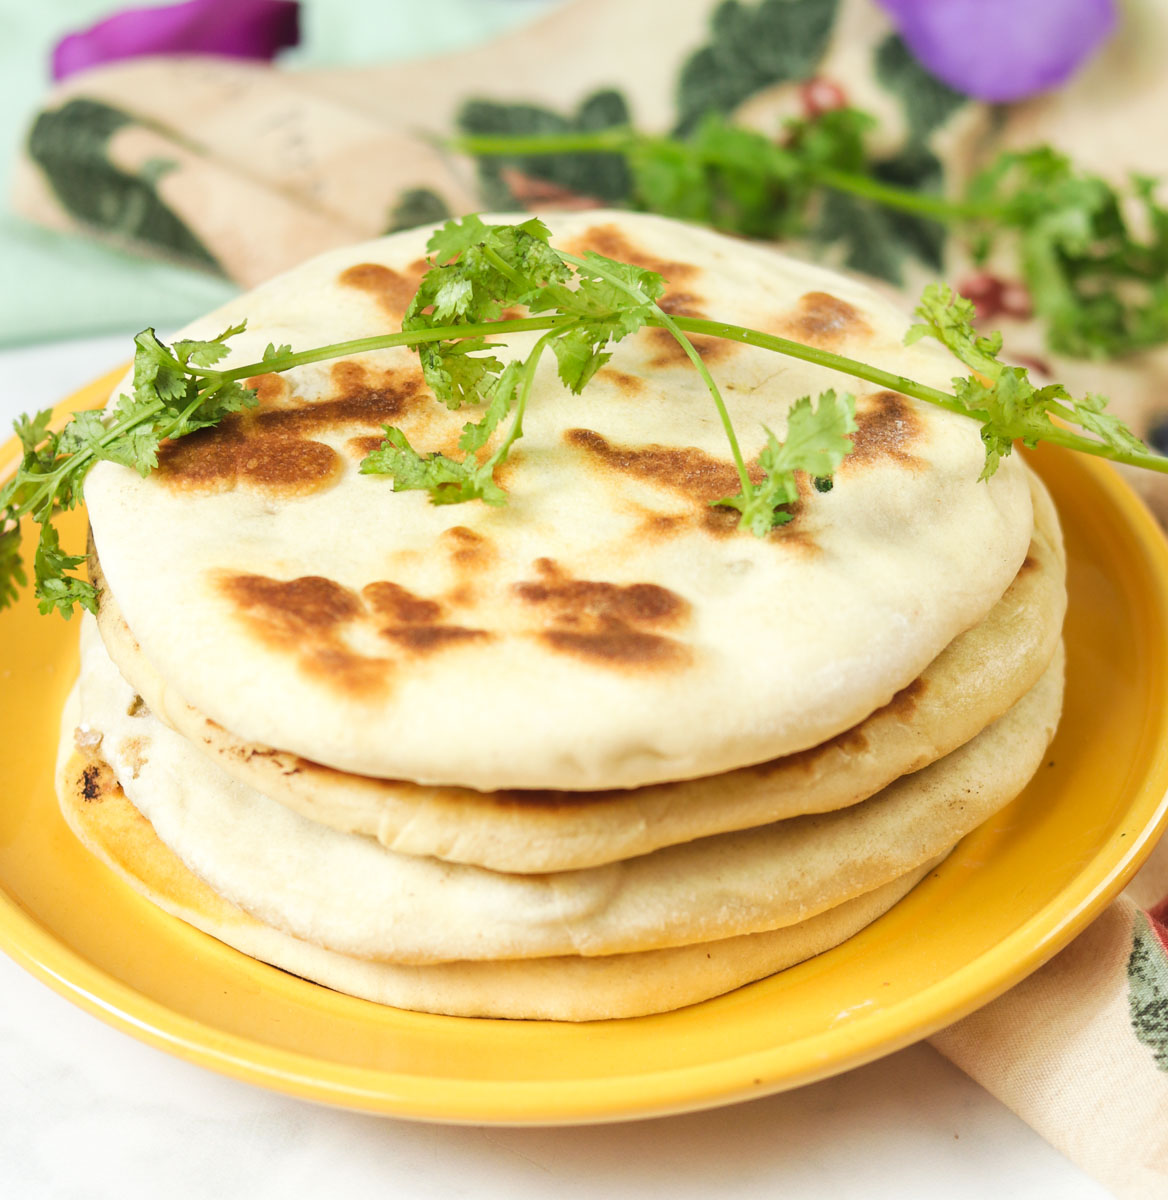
[980,674]
[606,628]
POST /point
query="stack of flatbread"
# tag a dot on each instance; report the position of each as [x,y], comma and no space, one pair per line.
[592,754]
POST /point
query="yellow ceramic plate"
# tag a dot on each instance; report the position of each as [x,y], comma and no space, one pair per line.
[1012,894]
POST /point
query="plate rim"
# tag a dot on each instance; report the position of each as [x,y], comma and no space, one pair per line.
[655,1093]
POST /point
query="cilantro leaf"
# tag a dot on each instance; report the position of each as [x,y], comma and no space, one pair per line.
[610,301]
[175,391]
[55,588]
[1002,397]
[12,573]
[818,440]
[447,480]
[481,270]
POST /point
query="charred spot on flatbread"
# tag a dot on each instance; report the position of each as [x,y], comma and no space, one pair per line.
[823,320]
[626,384]
[686,470]
[95,781]
[227,457]
[887,427]
[613,242]
[314,618]
[361,397]
[692,473]
[393,290]
[608,623]
[268,450]
[467,548]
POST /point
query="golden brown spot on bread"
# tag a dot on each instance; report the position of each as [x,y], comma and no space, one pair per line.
[619,646]
[1029,563]
[575,600]
[694,474]
[887,426]
[216,460]
[271,389]
[365,398]
[630,385]
[468,548]
[392,290]
[310,616]
[362,447]
[206,460]
[309,605]
[287,467]
[821,319]
[611,241]
[269,450]
[903,705]
[684,469]
[609,623]
[396,602]
[306,617]
[345,670]
[421,639]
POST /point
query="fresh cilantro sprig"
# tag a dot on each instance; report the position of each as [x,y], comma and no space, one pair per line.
[480,269]
[580,307]
[1002,397]
[1093,257]
[168,399]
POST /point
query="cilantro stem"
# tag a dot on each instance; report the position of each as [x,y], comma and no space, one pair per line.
[676,326]
[383,341]
[667,322]
[626,141]
[525,385]
[1073,441]
[825,358]
[921,204]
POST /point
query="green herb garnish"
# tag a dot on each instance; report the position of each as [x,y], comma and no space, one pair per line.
[169,398]
[580,306]
[1100,288]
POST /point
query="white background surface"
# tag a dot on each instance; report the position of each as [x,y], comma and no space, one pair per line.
[87,1113]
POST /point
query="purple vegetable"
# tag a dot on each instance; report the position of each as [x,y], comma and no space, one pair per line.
[1002,50]
[236,28]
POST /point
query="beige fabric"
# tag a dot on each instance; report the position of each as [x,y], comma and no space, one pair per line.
[557,989]
[603,629]
[350,894]
[971,683]
[1064,1051]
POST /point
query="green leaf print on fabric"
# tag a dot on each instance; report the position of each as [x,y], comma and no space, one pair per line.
[877,240]
[1147,988]
[417,206]
[604,176]
[928,103]
[752,47]
[71,145]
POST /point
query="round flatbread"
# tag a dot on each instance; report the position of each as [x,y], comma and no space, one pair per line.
[971,683]
[349,894]
[607,628]
[566,988]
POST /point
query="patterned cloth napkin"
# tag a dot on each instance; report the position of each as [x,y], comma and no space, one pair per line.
[246,169]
